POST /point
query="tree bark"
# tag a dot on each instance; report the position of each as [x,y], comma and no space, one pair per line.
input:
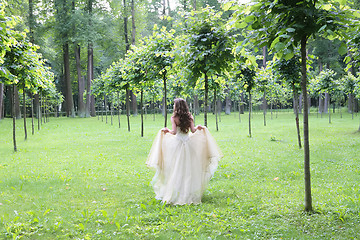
[227,102]
[119,107]
[206,99]
[24,110]
[194,4]
[70,112]
[15,98]
[264,107]
[250,111]
[128,108]
[133,32]
[14,117]
[81,87]
[296,110]
[127,45]
[215,110]
[165,99]
[1,101]
[307,177]
[142,113]
[32,115]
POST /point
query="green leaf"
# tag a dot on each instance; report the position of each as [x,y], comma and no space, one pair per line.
[249,18]
[227,6]
[290,29]
[342,49]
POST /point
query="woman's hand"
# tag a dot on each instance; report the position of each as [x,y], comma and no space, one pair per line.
[199,127]
[165,130]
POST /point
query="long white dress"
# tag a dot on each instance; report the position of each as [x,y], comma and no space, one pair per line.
[184,164]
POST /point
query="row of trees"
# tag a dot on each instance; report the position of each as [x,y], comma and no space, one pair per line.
[208,47]
[22,69]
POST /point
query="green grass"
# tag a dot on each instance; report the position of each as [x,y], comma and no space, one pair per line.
[85,179]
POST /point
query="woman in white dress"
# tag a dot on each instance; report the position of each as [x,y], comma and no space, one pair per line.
[184,158]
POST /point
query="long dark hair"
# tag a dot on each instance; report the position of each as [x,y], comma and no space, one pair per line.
[181,110]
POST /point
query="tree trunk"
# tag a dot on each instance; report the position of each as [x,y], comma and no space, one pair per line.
[16,100]
[14,117]
[196,105]
[24,110]
[142,113]
[81,87]
[134,103]
[307,177]
[264,107]
[133,32]
[194,4]
[329,105]
[227,102]
[32,115]
[206,99]
[296,109]
[127,45]
[1,101]
[105,105]
[250,110]
[119,108]
[70,112]
[128,108]
[326,103]
[38,109]
[165,99]
[89,78]
[215,110]
[111,112]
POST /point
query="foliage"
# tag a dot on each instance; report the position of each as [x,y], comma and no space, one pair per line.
[254,193]
[206,44]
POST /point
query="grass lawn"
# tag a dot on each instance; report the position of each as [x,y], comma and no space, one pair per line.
[85,179]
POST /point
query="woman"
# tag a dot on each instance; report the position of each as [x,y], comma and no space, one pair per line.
[185,158]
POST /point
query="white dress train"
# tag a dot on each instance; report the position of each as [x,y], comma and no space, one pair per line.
[184,164]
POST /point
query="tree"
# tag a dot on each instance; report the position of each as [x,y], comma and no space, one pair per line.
[289,71]
[207,48]
[285,25]
[160,58]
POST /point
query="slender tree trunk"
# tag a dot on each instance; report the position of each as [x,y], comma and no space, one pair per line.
[119,108]
[165,99]
[133,32]
[17,103]
[206,99]
[250,111]
[24,110]
[89,79]
[106,105]
[296,109]
[227,102]
[70,112]
[81,88]
[142,112]
[307,177]
[196,105]
[1,101]
[32,115]
[111,112]
[38,110]
[194,4]
[264,107]
[329,109]
[127,45]
[14,117]
[134,103]
[128,108]
[215,110]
